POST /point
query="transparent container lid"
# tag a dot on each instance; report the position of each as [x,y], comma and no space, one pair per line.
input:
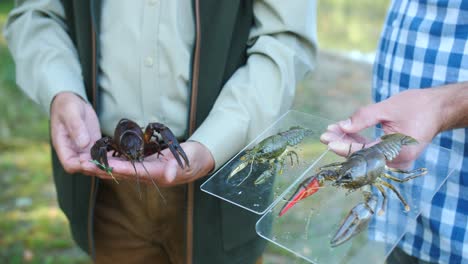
[241,189]
[308,227]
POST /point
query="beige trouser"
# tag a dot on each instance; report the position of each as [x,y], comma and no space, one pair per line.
[133,230]
[128,229]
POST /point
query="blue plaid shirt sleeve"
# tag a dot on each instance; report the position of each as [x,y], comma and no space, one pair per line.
[425,44]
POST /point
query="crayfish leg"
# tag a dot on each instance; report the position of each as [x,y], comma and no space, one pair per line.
[384,201]
[391,187]
[334,164]
[409,174]
[291,154]
[273,169]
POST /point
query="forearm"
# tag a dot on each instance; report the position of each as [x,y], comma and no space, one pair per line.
[45,57]
[454,105]
[284,42]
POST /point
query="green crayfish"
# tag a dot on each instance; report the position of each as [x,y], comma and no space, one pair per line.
[272,151]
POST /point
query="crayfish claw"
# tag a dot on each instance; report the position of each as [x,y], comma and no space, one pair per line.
[171,141]
[99,155]
[356,221]
[240,166]
[263,177]
[178,152]
[308,187]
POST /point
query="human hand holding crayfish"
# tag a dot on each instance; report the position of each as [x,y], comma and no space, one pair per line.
[74,129]
[164,170]
[416,113]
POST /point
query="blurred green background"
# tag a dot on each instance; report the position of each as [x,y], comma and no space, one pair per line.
[34,230]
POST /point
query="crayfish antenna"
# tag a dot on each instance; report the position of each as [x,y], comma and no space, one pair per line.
[138,180]
[112,175]
[154,183]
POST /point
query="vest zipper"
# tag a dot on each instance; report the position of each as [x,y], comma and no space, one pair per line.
[192,123]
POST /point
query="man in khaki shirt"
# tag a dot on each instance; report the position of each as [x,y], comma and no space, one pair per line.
[145,75]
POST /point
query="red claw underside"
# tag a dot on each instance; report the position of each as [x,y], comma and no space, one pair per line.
[307,188]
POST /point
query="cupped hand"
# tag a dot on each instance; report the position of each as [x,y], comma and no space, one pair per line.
[415,113]
[163,170]
[74,128]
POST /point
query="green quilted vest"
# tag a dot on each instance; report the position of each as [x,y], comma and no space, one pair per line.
[222,233]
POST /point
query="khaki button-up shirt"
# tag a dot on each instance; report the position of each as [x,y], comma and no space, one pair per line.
[146,49]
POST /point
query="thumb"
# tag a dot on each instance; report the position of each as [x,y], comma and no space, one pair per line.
[363,118]
[77,130]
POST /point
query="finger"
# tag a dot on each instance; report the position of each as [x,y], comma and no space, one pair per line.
[345,148]
[124,168]
[171,171]
[336,129]
[354,137]
[91,169]
[65,149]
[74,122]
[363,118]
[328,137]
[335,133]
[92,121]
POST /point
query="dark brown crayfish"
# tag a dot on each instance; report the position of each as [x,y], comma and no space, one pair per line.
[363,167]
[272,150]
[134,145]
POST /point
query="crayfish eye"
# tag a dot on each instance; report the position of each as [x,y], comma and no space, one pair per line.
[345,177]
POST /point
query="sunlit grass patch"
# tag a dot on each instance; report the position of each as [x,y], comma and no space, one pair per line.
[32,228]
[356,25]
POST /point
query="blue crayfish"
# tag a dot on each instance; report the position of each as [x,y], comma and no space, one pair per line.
[363,167]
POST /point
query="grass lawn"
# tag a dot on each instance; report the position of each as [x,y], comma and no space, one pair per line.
[32,228]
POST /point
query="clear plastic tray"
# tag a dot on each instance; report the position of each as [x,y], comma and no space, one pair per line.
[307,228]
[258,198]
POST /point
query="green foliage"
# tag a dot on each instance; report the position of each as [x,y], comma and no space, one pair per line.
[32,228]
[344,24]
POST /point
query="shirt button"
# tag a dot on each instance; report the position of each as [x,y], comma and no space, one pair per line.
[152,2]
[149,62]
